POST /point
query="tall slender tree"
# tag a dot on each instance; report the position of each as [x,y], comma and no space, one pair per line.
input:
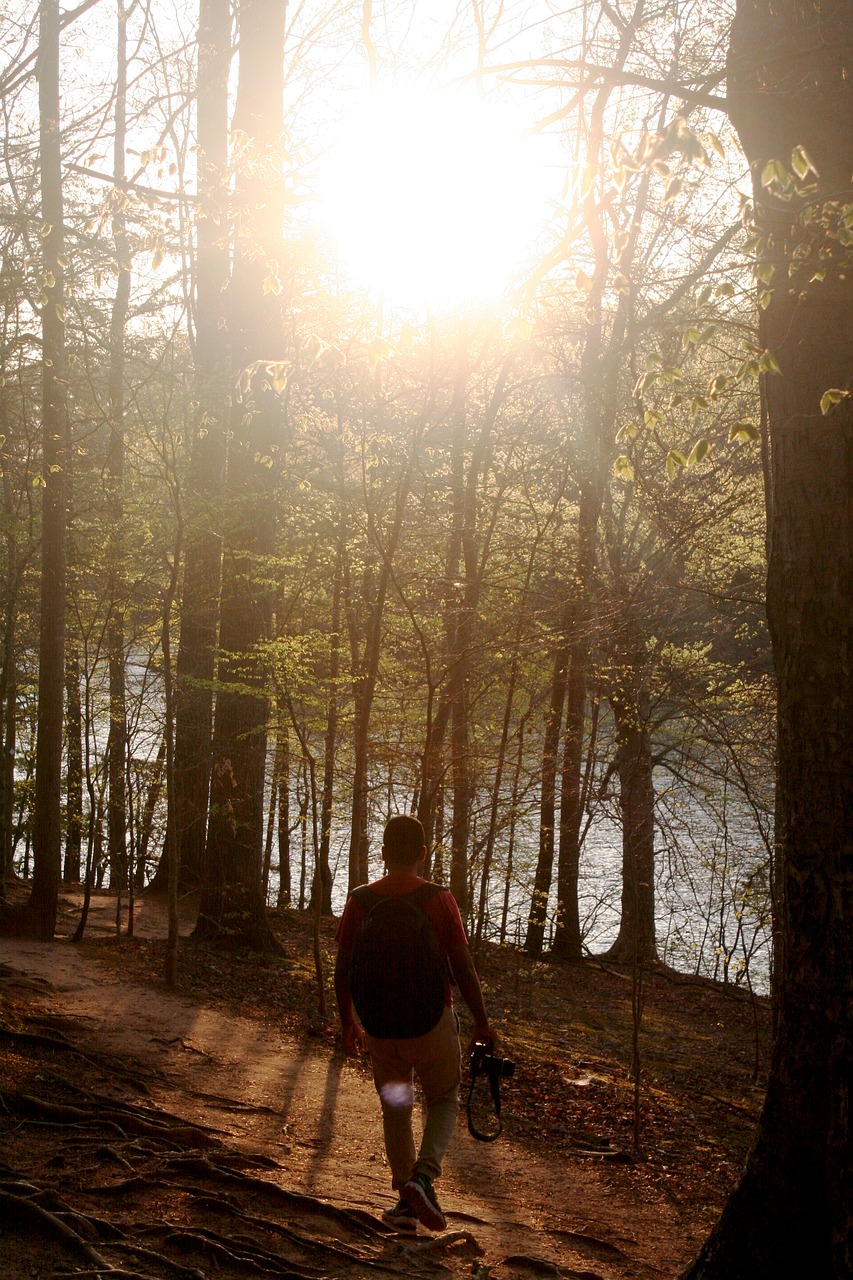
[117,743]
[47,824]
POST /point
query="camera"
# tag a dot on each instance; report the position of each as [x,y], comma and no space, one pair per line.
[484,1063]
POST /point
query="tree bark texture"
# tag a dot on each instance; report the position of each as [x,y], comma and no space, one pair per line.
[331,740]
[9,668]
[232,907]
[47,822]
[196,661]
[636,937]
[791,84]
[117,744]
[535,939]
[74,773]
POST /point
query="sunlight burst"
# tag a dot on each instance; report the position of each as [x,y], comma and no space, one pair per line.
[434,199]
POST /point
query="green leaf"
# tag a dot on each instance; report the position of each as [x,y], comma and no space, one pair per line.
[690,338]
[801,162]
[767,363]
[699,451]
[774,172]
[623,470]
[675,458]
[744,431]
[831,398]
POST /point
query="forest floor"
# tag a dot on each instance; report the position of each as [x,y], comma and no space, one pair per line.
[218,1130]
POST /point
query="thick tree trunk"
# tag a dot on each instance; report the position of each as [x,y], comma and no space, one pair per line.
[117,744]
[74,778]
[196,661]
[232,907]
[635,940]
[47,825]
[791,84]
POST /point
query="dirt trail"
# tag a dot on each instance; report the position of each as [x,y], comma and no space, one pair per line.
[316,1113]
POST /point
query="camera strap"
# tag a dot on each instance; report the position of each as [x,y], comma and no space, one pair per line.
[495,1090]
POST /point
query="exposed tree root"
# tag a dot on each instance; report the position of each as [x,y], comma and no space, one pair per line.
[23,1209]
[184,1204]
[361,1223]
[122,1120]
[60,1043]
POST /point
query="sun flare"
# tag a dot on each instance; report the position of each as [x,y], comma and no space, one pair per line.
[434,199]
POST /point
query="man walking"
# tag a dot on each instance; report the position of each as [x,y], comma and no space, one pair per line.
[398,940]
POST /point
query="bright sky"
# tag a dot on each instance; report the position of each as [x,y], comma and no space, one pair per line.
[435,198]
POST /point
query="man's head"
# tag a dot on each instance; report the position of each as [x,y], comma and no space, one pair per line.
[404,843]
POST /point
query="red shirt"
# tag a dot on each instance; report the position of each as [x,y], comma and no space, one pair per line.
[441,909]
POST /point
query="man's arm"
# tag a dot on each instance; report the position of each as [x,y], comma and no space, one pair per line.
[351,1033]
[462,964]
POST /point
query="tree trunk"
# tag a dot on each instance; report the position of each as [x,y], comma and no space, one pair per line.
[117,744]
[232,907]
[74,776]
[196,661]
[535,939]
[791,84]
[47,825]
[8,671]
[635,940]
[146,822]
[365,672]
[567,932]
[283,785]
[331,742]
[170,969]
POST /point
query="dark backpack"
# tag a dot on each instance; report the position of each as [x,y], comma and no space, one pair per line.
[398,967]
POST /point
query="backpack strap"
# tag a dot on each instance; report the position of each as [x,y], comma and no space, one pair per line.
[365,896]
[425,892]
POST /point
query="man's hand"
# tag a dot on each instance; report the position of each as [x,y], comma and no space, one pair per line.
[353,1040]
[483,1035]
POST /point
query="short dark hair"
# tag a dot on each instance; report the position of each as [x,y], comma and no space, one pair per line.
[403,840]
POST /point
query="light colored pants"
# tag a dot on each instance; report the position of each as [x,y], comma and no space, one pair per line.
[436,1060]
